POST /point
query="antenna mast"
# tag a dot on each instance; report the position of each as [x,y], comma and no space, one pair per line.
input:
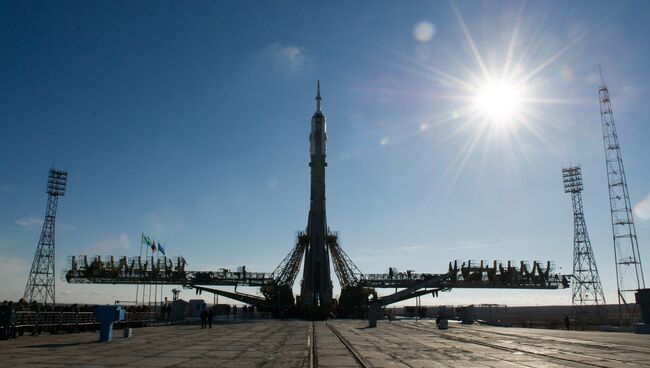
[629,271]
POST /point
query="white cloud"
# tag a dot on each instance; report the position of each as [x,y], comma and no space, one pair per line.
[462,244]
[164,222]
[642,209]
[29,223]
[286,58]
[32,223]
[110,245]
[13,274]
[124,241]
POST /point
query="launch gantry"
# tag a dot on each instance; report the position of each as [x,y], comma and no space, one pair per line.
[313,249]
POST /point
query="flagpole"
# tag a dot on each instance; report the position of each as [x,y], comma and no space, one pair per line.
[155,293]
[144,285]
[161,285]
[143,271]
[137,286]
[150,269]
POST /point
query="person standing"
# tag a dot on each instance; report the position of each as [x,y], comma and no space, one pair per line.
[204,317]
[8,321]
[4,313]
[567,322]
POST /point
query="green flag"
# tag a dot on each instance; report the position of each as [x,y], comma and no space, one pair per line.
[146,239]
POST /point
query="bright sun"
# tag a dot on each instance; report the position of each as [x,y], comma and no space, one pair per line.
[498,101]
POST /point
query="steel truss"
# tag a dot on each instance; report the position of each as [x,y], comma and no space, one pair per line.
[587,292]
[629,271]
[41,282]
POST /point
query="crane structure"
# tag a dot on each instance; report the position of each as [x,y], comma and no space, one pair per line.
[41,281]
[629,271]
[587,298]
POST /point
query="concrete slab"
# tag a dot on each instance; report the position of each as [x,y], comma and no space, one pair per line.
[266,343]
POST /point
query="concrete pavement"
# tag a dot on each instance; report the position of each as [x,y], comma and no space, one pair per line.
[264,343]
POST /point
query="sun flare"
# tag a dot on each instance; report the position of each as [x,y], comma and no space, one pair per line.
[498,101]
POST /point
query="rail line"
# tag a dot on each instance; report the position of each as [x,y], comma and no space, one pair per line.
[313,357]
[355,354]
[607,363]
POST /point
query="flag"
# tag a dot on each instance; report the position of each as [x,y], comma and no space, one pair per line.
[161,249]
[146,239]
[153,246]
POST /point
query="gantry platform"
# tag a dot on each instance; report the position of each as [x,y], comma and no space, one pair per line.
[340,343]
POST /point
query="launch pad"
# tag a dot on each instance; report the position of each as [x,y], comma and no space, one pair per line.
[339,343]
[316,249]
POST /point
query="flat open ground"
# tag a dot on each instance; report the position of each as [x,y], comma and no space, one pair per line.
[335,344]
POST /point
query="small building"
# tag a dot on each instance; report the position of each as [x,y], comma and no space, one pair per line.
[180,310]
[196,306]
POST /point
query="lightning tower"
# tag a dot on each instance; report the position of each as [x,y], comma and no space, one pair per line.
[629,271]
[40,284]
[587,294]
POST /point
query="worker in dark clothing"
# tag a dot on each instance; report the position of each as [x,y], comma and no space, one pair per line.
[8,320]
[3,322]
[567,323]
[234,312]
[210,316]
[204,318]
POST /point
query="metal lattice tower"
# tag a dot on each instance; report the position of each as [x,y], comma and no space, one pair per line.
[629,272]
[587,292]
[40,284]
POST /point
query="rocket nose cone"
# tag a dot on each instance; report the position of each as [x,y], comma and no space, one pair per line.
[318,96]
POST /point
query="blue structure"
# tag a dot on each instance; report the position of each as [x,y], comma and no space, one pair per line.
[106,315]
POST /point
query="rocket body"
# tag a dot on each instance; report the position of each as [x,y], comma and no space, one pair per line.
[317,282]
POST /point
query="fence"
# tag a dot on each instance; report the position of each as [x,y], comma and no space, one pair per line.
[36,322]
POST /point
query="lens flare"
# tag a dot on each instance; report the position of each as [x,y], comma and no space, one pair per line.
[498,100]
[424,31]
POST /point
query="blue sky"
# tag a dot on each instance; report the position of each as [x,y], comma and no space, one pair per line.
[189,122]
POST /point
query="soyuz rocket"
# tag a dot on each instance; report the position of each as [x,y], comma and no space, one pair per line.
[316,281]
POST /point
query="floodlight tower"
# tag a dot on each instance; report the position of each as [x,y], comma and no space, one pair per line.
[587,297]
[40,284]
[629,271]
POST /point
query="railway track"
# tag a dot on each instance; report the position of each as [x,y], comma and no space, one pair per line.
[355,354]
[313,346]
[577,361]
[313,356]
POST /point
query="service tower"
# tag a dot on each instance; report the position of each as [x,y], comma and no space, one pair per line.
[316,282]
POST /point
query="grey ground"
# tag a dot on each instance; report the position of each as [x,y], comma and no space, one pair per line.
[288,344]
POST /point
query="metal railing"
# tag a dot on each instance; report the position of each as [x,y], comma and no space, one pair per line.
[36,322]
